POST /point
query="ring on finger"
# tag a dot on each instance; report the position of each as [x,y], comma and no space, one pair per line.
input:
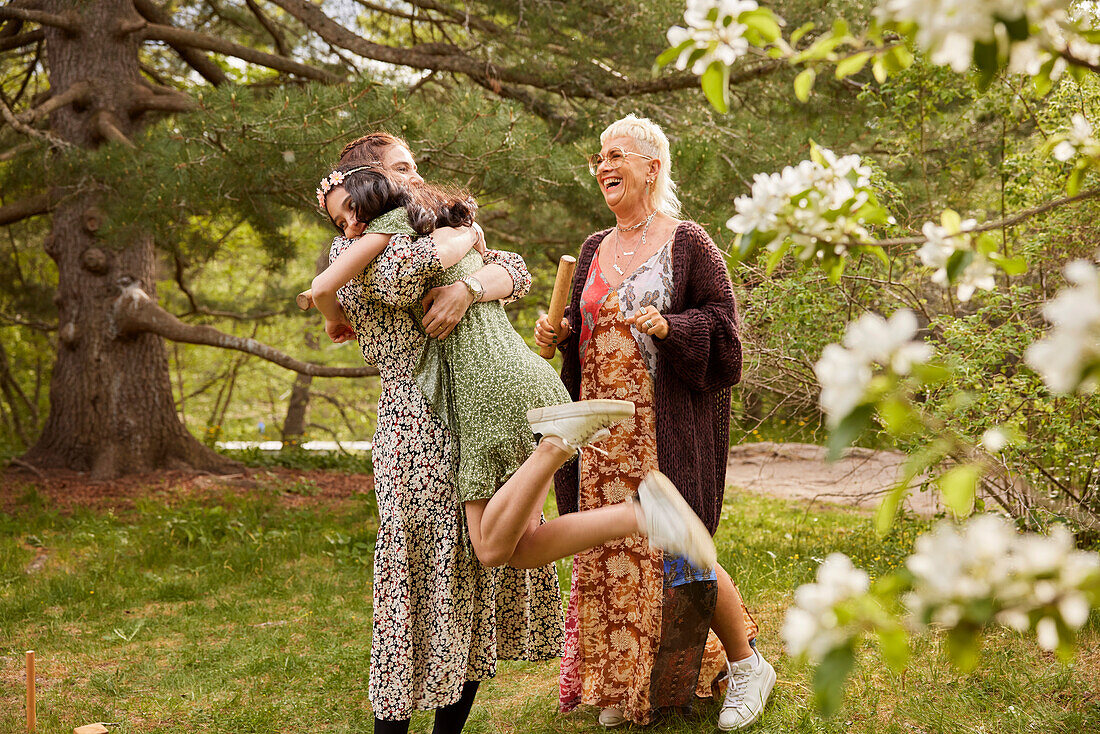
[648,323]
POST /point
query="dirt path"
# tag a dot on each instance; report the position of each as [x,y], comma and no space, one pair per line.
[799,471]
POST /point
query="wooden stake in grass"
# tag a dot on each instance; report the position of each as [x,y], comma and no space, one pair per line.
[32,714]
[562,285]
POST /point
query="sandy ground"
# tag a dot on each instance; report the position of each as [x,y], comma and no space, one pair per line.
[799,471]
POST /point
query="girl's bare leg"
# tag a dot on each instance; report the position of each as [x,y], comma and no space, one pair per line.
[505,529]
[729,622]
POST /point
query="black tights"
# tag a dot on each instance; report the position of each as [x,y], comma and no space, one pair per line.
[448,720]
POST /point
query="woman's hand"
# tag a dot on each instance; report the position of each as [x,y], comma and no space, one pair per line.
[649,321]
[479,244]
[444,307]
[545,334]
[339,331]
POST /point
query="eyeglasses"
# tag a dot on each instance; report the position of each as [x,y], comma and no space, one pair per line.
[614,159]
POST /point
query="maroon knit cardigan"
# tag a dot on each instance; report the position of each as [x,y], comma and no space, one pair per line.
[697,363]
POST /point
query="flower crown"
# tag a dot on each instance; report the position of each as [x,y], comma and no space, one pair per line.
[334,179]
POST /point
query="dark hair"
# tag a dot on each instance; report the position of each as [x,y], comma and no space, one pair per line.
[375,191]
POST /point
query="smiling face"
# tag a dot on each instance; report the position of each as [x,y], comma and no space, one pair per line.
[397,159]
[623,188]
[338,206]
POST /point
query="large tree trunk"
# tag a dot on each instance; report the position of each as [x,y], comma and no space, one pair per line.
[111,409]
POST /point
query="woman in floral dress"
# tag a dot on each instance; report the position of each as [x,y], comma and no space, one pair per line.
[652,320]
[441,619]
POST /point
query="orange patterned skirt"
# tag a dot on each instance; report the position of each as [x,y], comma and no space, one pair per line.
[637,629]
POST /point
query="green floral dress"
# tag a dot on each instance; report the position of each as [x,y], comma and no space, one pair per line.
[481,380]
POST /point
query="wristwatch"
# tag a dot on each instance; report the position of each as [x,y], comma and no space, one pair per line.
[477,290]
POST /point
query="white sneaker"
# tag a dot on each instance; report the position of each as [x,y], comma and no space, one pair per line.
[578,424]
[671,524]
[749,688]
[611,717]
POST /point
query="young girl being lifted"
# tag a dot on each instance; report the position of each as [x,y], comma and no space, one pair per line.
[490,389]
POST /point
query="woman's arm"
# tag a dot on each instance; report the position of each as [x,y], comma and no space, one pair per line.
[452,243]
[349,263]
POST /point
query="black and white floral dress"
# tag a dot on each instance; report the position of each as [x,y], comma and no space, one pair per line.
[440,617]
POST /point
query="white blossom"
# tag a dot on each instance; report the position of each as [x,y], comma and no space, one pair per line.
[994,439]
[949,29]
[1072,345]
[942,241]
[812,627]
[810,204]
[722,38]
[987,565]
[845,371]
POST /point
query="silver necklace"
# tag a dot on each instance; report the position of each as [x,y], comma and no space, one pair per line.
[619,252]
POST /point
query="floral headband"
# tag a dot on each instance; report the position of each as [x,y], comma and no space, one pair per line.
[334,179]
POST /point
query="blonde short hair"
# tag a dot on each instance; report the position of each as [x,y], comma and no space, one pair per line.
[651,140]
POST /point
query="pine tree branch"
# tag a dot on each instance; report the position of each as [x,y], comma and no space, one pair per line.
[269,26]
[135,312]
[106,125]
[22,40]
[150,97]
[19,126]
[180,36]
[15,150]
[77,92]
[462,17]
[206,68]
[32,206]
[67,22]
[444,57]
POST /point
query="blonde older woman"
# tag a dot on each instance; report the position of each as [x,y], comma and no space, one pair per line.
[652,320]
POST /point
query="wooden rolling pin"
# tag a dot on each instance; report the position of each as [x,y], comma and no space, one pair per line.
[563,284]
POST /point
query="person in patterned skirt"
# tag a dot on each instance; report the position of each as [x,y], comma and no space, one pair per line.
[436,608]
[652,320]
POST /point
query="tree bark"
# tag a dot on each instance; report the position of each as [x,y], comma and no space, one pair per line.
[295,424]
[111,407]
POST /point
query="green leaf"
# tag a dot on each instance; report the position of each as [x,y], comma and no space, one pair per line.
[931,373]
[840,28]
[888,509]
[800,32]
[746,244]
[897,59]
[852,64]
[951,220]
[1073,183]
[879,70]
[848,431]
[1017,28]
[880,255]
[894,644]
[670,54]
[1011,265]
[985,58]
[716,83]
[898,416]
[775,256]
[957,263]
[963,646]
[958,486]
[804,83]
[830,677]
[763,21]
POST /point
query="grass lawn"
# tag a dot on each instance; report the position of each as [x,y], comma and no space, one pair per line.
[242,612]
